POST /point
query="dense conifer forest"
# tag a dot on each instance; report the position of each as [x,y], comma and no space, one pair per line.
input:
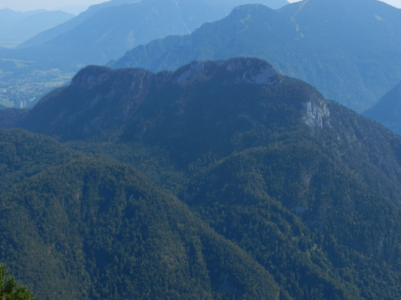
[222,180]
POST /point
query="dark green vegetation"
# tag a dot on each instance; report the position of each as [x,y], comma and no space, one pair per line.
[17,27]
[9,117]
[388,110]
[256,187]
[9,289]
[348,49]
[79,226]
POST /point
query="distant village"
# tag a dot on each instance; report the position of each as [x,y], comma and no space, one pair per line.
[24,90]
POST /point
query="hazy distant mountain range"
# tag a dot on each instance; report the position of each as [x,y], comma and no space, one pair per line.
[106,31]
[73,9]
[103,32]
[348,49]
[17,27]
[311,40]
[253,187]
[388,110]
[199,12]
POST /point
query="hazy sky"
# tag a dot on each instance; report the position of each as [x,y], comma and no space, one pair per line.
[25,5]
[396,3]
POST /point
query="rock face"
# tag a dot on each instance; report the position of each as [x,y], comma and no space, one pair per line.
[388,110]
[316,114]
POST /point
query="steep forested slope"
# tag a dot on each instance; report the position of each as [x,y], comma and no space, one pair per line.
[9,117]
[308,189]
[82,226]
[212,108]
[349,50]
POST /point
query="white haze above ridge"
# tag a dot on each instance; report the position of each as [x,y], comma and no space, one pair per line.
[396,3]
[26,5]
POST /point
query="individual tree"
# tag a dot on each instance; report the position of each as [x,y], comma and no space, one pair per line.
[9,289]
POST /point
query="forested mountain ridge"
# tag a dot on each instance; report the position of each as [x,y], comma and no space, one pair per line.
[388,110]
[346,49]
[182,110]
[307,188]
[82,226]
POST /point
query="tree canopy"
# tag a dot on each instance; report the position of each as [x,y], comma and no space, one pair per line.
[9,289]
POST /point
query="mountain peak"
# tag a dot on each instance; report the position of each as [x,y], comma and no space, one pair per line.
[237,70]
[94,76]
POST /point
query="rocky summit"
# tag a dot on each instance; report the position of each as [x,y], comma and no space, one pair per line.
[99,98]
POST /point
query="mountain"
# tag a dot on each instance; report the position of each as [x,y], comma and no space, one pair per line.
[10,16]
[73,9]
[195,13]
[17,27]
[101,33]
[106,32]
[87,14]
[388,110]
[348,50]
[83,226]
[228,5]
[308,190]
